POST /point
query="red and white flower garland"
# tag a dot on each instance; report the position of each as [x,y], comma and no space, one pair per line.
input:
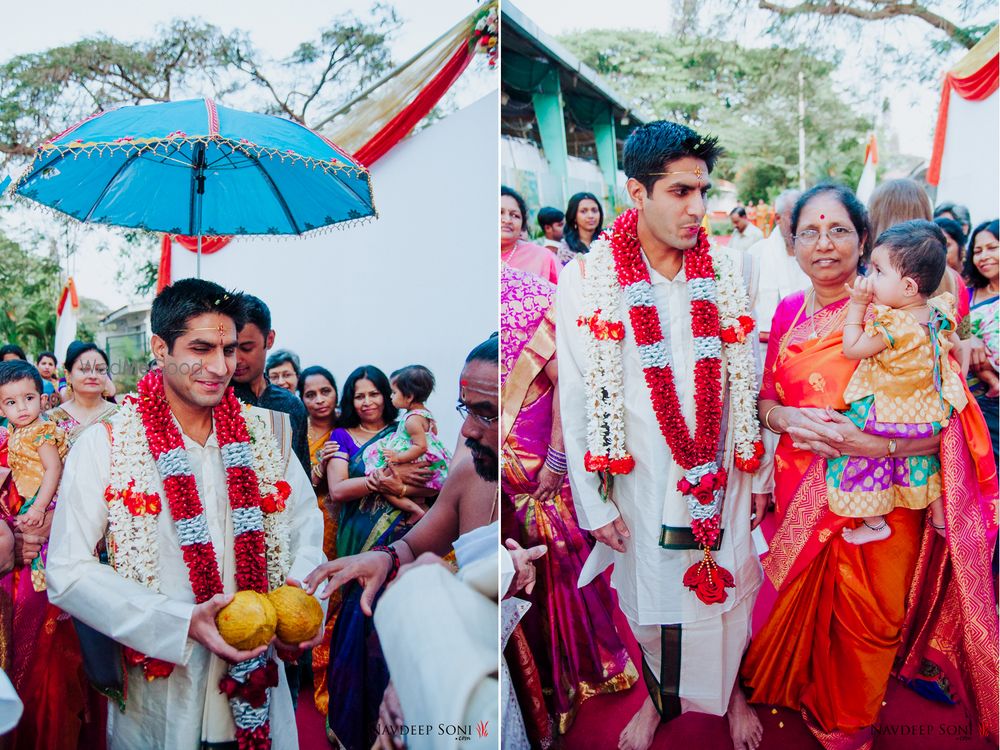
[146,441]
[615,268]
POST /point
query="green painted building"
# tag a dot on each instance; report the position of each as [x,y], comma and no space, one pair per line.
[562,127]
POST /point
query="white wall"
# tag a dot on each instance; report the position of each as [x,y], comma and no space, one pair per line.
[971,154]
[417,286]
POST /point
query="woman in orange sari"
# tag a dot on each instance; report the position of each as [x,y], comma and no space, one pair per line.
[847,617]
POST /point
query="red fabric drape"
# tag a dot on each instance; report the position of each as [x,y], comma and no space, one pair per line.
[68,293]
[163,277]
[209,245]
[399,126]
[976,87]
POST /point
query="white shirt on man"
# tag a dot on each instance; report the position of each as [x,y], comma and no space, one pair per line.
[746,238]
[186,708]
[780,276]
[647,577]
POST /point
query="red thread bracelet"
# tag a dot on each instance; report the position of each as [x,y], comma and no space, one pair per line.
[393,556]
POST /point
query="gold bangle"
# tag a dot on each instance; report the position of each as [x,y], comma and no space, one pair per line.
[891,450]
[767,419]
[403,492]
[859,325]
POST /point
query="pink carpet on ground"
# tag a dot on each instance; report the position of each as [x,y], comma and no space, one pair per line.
[311,724]
[908,722]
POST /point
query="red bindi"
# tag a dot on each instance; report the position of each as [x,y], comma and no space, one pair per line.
[821,217]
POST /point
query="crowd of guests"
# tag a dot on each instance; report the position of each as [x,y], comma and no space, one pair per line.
[377,466]
[814,265]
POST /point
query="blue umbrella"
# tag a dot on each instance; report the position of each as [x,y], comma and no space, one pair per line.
[197,168]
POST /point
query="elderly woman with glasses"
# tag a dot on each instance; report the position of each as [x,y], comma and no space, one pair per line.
[848,616]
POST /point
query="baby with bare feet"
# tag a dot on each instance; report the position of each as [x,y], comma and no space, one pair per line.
[905,385]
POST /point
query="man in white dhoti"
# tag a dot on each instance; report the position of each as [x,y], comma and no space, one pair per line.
[196,499]
[658,390]
[776,254]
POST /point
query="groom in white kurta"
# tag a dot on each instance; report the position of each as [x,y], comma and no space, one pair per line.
[691,650]
[186,709]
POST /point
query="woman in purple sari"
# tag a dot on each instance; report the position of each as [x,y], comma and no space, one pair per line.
[576,644]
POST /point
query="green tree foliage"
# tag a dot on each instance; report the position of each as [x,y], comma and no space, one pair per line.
[29,285]
[747,97]
[42,93]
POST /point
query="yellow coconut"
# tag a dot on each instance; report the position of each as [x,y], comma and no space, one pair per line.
[248,621]
[299,614]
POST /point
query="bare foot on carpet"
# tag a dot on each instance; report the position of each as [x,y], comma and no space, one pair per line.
[638,735]
[744,726]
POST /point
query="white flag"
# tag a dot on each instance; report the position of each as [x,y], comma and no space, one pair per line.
[67,311]
[866,185]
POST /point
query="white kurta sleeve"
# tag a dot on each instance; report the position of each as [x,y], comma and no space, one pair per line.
[440,638]
[506,571]
[592,510]
[306,525]
[79,584]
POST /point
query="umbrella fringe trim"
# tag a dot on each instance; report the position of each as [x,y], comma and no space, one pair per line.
[153,144]
[338,226]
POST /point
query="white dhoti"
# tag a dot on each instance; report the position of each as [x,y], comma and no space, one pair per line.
[693,667]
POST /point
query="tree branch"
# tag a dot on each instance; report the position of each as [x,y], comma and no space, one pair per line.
[880,11]
[330,63]
[249,67]
[16,149]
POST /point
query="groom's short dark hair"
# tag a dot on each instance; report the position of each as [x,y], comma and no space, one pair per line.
[651,147]
[189,298]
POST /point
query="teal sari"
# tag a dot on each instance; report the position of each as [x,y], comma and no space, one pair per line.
[358,675]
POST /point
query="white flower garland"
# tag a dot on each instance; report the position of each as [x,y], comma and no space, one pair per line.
[734,303]
[133,544]
[132,541]
[270,470]
[604,376]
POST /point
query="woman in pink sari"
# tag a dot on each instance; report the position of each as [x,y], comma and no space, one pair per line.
[847,617]
[576,644]
[514,251]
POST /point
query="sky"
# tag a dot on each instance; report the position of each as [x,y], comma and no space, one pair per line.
[913,105]
[276,28]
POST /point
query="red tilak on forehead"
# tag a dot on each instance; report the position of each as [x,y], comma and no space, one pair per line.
[821,217]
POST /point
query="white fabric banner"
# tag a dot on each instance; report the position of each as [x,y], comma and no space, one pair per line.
[417,286]
[971,153]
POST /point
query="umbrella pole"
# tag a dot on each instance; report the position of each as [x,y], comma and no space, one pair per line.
[199,177]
